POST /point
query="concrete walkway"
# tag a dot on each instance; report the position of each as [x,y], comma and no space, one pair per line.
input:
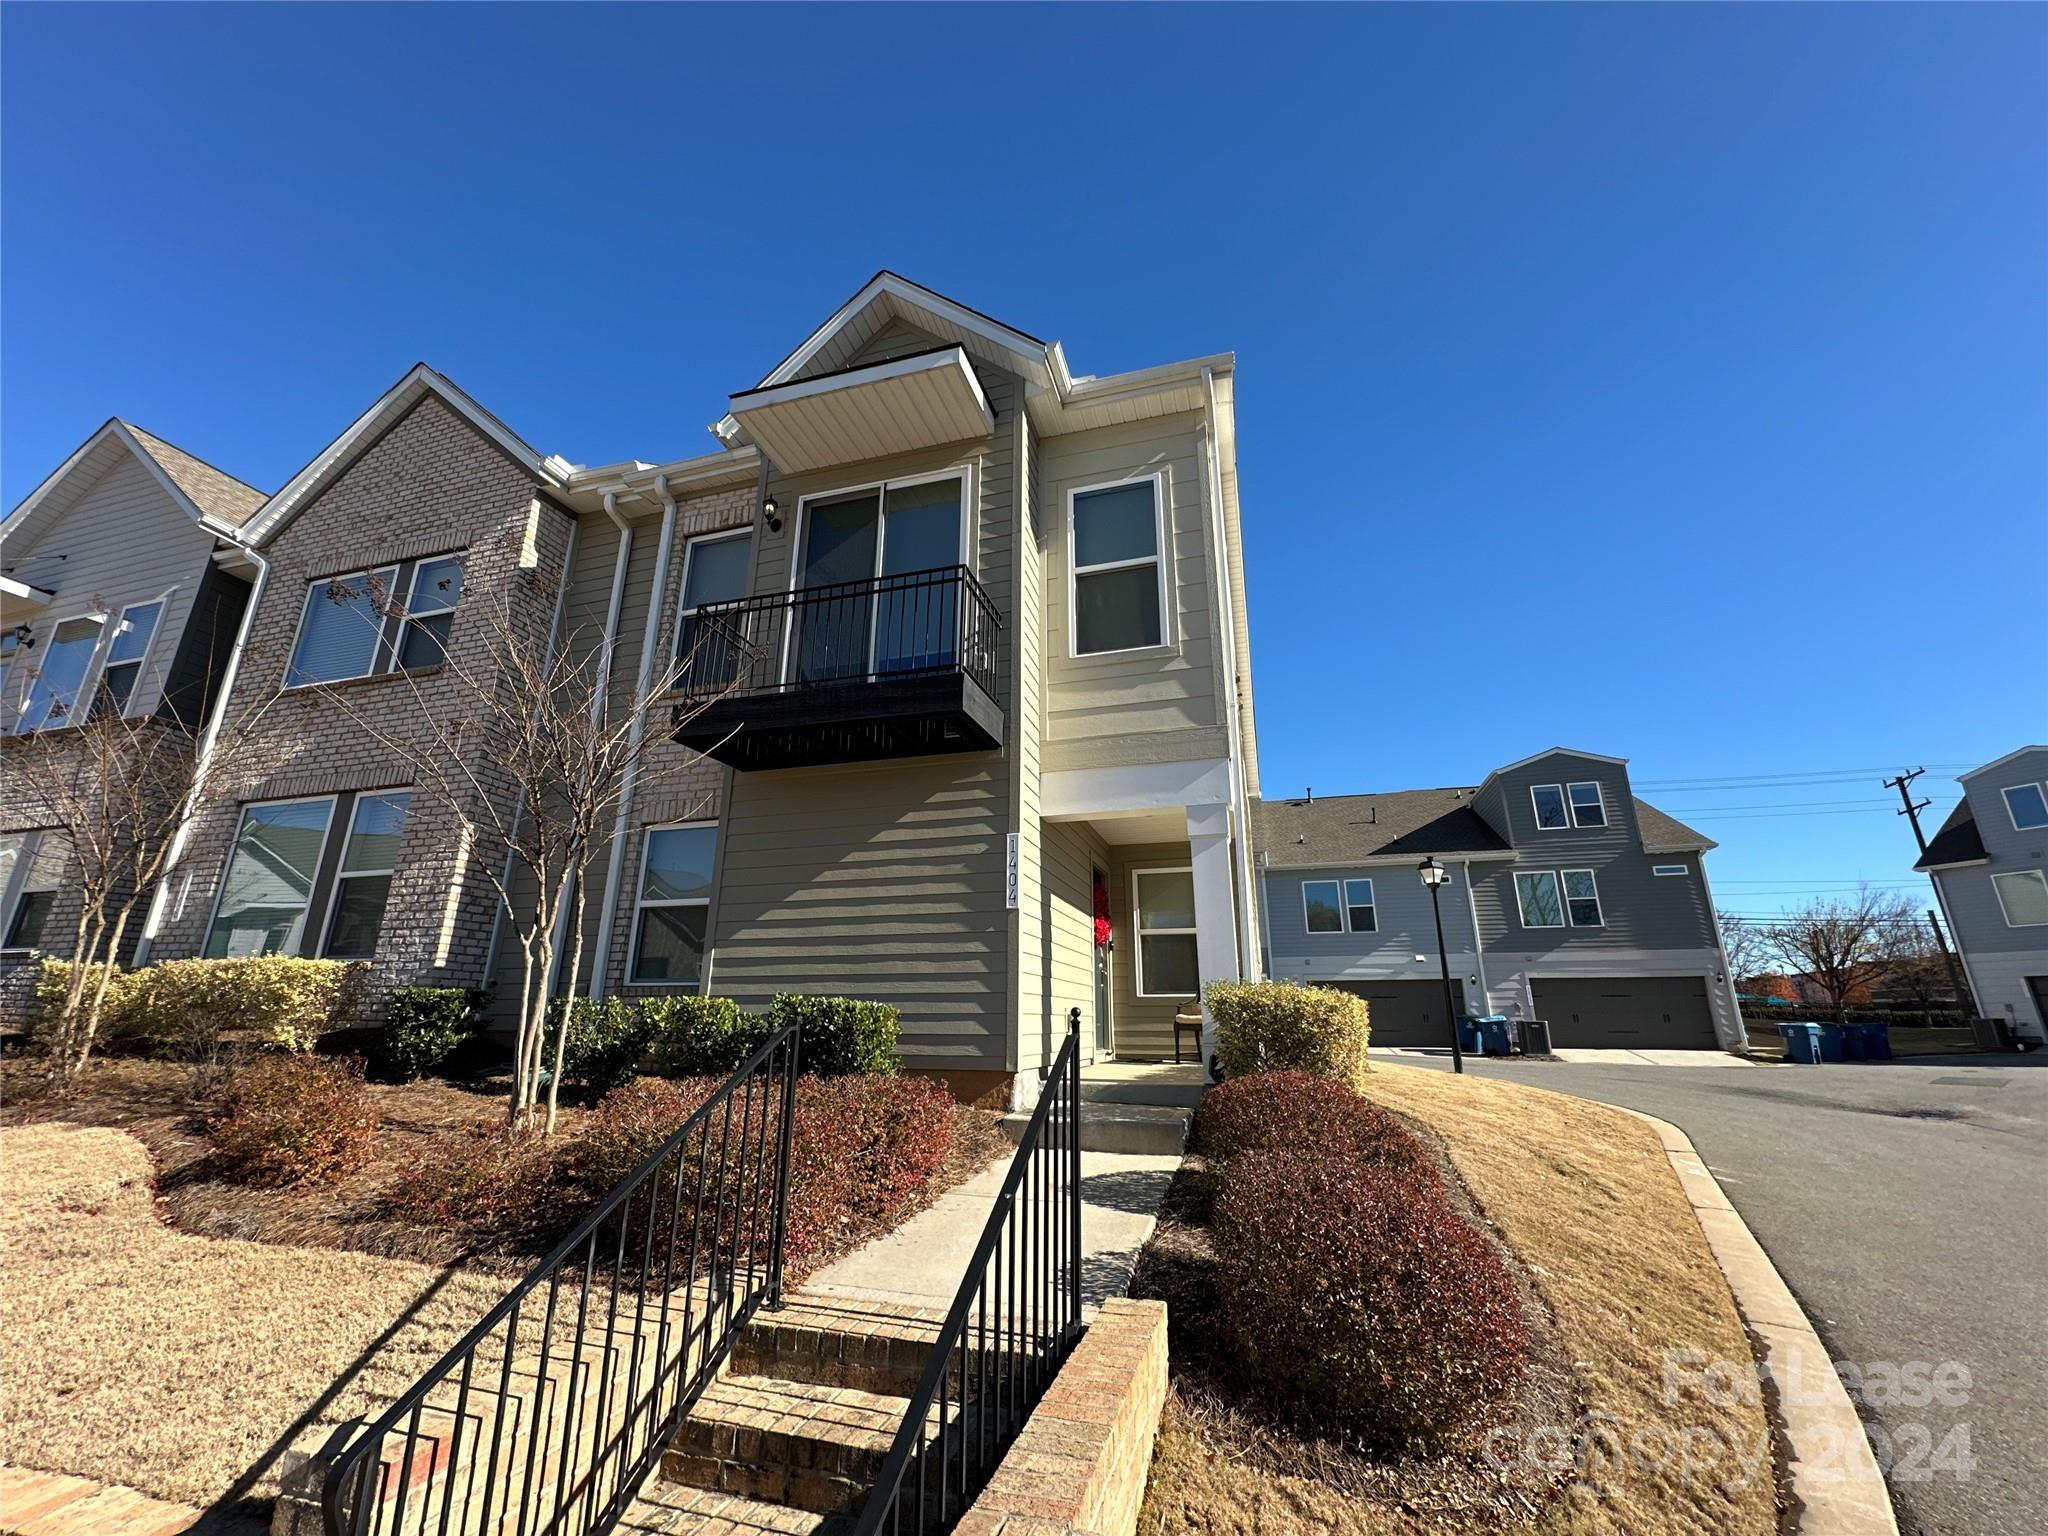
[923,1260]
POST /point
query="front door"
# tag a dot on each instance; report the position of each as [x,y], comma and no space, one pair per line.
[1102,1035]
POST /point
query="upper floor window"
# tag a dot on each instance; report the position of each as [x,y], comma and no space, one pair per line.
[1549,802]
[2023,897]
[1582,899]
[1117,537]
[54,697]
[714,571]
[1536,897]
[341,627]
[675,904]
[1319,910]
[1588,809]
[1163,911]
[362,885]
[126,653]
[2027,804]
[430,601]
[1668,869]
[261,908]
[1360,913]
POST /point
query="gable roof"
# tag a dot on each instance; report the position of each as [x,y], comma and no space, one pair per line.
[1958,841]
[418,382]
[211,497]
[1998,762]
[1344,829]
[1667,834]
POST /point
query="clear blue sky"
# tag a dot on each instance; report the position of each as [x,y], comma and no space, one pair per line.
[1663,381]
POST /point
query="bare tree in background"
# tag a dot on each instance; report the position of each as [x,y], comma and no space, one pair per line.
[1843,943]
[1918,967]
[120,789]
[1748,947]
[520,738]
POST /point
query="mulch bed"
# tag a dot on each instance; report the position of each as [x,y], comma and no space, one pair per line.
[1237,1418]
[165,1105]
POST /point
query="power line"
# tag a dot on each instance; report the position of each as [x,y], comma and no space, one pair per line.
[1779,805]
[1763,778]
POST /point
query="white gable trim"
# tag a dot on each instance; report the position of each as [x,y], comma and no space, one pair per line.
[1997,762]
[1031,353]
[23,522]
[1537,757]
[344,450]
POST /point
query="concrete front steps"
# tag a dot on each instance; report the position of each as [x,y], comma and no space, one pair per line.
[1132,1107]
[790,1439]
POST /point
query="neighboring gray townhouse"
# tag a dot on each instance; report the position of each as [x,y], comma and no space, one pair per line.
[1989,864]
[989,689]
[1570,900]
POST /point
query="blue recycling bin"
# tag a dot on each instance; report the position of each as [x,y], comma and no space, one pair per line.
[1495,1038]
[1830,1042]
[1877,1041]
[1855,1043]
[1802,1042]
[1468,1036]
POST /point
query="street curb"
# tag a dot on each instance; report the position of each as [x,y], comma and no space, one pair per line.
[1833,1476]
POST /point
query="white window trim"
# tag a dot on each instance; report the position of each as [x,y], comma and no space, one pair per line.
[1566,897]
[140,663]
[1344,890]
[964,473]
[1160,557]
[1571,806]
[1343,918]
[220,884]
[342,873]
[1564,799]
[86,683]
[381,656]
[684,608]
[1998,890]
[641,903]
[412,587]
[1670,869]
[15,887]
[1139,932]
[2005,794]
[1522,911]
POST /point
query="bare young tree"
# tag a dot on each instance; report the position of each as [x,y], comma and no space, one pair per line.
[520,737]
[1844,944]
[1748,947]
[119,789]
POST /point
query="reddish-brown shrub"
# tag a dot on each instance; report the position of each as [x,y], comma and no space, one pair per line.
[1270,1110]
[291,1119]
[628,1124]
[485,1179]
[1362,1302]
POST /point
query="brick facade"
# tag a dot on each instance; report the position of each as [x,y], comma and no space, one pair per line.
[430,485]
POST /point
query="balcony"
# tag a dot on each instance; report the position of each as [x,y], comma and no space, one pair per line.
[893,666]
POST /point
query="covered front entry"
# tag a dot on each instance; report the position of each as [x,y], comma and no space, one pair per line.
[1404,1012]
[1627,1012]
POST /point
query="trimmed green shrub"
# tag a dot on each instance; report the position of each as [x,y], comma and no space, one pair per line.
[282,1000]
[700,1036]
[1271,1110]
[607,1038]
[843,1036]
[121,1016]
[1361,1303]
[422,1027]
[1271,1026]
[295,1119]
[489,1180]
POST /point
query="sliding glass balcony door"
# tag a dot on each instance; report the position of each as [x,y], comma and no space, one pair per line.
[878,614]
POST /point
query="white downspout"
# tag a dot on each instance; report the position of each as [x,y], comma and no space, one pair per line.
[1249,963]
[203,755]
[615,866]
[1478,943]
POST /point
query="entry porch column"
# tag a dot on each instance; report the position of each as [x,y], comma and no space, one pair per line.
[1215,909]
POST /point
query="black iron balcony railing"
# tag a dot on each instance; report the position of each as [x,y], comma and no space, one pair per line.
[879,630]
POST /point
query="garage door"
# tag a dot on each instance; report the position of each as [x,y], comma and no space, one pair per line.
[1403,1012]
[1630,1012]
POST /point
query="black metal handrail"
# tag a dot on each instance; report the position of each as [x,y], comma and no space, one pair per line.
[874,630]
[1012,1324]
[689,1246]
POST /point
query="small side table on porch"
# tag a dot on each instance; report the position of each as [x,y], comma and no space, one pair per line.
[1190,1020]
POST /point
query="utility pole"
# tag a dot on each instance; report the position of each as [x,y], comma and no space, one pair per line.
[1912,812]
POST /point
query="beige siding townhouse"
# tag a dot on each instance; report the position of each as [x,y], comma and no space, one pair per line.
[968,686]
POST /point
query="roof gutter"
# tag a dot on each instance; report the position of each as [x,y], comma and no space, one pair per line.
[202,756]
[616,865]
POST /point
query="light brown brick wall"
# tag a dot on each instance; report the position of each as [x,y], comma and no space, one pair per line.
[1081,1463]
[430,485]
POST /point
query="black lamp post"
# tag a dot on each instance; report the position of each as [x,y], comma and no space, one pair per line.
[1436,877]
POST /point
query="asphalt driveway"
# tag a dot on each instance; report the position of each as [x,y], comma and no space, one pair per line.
[1906,1204]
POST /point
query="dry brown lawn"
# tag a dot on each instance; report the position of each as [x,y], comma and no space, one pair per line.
[179,1365]
[1584,1196]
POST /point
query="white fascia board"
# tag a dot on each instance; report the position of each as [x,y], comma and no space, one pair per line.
[1029,351]
[1928,869]
[22,517]
[1403,860]
[1075,794]
[879,373]
[1092,390]
[1537,757]
[1699,848]
[1997,762]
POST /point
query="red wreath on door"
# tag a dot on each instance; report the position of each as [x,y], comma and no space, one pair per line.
[1101,915]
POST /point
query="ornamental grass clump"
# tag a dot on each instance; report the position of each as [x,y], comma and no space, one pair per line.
[1272,1026]
[1272,1110]
[1361,1304]
[295,1120]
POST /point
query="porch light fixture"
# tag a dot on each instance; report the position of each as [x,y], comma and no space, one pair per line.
[1436,877]
[771,513]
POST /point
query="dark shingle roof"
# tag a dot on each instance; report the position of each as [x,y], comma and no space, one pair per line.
[1957,842]
[1342,828]
[1661,831]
